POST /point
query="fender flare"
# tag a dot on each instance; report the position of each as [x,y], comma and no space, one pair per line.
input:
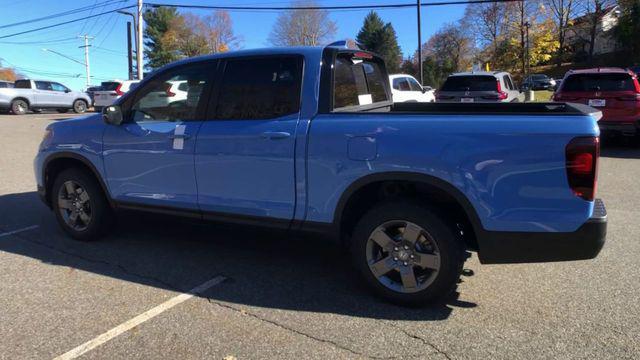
[412,177]
[84,161]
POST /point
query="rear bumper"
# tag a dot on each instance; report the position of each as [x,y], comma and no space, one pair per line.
[526,247]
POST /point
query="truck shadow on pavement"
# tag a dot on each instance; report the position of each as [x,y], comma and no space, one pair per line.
[263,268]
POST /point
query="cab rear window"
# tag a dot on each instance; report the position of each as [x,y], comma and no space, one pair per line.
[598,82]
[470,83]
[22,84]
[358,82]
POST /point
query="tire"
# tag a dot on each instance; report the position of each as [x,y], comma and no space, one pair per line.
[93,205]
[19,107]
[62,111]
[436,244]
[80,106]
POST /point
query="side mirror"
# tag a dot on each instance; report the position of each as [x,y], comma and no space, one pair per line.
[112,115]
[67,91]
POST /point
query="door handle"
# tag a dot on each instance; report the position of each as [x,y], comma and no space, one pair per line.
[275,135]
[179,136]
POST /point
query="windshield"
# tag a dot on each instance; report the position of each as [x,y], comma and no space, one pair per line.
[470,83]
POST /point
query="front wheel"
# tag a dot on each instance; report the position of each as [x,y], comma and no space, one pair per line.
[79,106]
[407,254]
[80,205]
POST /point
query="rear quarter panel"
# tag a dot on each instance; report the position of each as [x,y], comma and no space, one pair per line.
[510,167]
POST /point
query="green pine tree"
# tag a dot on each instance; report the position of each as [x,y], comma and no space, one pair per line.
[380,38]
[157,22]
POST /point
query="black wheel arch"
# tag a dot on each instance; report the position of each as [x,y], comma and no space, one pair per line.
[55,163]
[341,212]
[21,98]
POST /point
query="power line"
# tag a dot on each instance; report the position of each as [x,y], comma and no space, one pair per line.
[68,12]
[334,7]
[65,22]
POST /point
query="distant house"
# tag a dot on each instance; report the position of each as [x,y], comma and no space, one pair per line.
[578,35]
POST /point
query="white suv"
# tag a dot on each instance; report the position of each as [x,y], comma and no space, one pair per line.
[405,88]
[479,86]
[110,91]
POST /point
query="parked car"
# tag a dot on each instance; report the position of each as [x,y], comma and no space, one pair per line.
[405,88]
[538,82]
[41,94]
[614,91]
[558,83]
[91,92]
[479,86]
[172,94]
[110,91]
[299,139]
[6,84]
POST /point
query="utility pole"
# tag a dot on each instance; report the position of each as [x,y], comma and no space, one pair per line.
[419,43]
[86,56]
[129,52]
[528,63]
[139,45]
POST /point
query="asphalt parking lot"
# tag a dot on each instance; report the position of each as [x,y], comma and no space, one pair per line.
[265,295]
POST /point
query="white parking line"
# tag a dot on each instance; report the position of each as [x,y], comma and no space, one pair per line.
[19,230]
[128,325]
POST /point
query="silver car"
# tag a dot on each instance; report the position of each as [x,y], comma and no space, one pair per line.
[41,94]
[479,86]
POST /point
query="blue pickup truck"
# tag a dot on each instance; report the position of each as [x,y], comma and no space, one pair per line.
[308,139]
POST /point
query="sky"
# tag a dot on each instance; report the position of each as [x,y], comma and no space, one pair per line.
[107,55]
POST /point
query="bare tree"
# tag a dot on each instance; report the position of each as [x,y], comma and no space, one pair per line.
[587,28]
[487,22]
[302,27]
[562,11]
[451,45]
[521,16]
[218,31]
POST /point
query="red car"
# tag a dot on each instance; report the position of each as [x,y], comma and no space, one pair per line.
[615,91]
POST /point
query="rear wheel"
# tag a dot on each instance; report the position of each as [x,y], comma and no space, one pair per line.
[407,254]
[80,205]
[19,107]
[79,106]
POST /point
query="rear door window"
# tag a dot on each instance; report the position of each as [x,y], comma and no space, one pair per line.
[358,82]
[43,85]
[263,88]
[598,82]
[470,83]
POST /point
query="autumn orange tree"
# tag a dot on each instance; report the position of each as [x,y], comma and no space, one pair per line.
[8,74]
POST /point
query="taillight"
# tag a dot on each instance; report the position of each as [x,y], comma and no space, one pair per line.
[168,90]
[501,94]
[582,155]
[118,91]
